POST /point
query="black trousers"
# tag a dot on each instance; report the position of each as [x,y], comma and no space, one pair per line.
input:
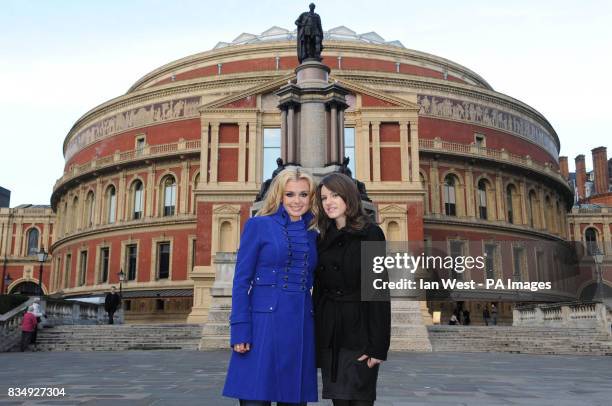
[110,317]
[26,339]
[267,403]
[343,402]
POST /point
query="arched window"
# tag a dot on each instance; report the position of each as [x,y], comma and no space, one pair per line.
[482,199]
[196,181]
[532,212]
[509,205]
[590,236]
[74,218]
[550,213]
[89,209]
[138,199]
[169,196]
[450,199]
[33,241]
[111,204]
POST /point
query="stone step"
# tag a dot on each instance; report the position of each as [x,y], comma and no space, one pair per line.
[120,337]
[531,340]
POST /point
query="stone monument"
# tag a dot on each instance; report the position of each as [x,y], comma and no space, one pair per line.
[312,137]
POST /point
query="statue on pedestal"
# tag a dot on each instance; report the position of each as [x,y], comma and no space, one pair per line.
[309,35]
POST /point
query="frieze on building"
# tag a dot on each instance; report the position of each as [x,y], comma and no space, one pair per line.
[146,115]
[474,113]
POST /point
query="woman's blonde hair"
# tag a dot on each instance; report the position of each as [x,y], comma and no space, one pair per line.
[274,197]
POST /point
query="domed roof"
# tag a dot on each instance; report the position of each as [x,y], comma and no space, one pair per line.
[340,33]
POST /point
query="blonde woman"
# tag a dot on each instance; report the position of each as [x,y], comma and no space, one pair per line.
[272,325]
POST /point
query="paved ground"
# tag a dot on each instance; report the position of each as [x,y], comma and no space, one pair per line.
[195,378]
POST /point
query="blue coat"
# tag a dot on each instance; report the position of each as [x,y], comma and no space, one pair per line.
[272,310]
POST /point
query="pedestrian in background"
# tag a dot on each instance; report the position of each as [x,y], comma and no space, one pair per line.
[486,315]
[28,327]
[494,314]
[111,304]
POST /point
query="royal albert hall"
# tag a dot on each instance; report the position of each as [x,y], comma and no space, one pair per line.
[160,180]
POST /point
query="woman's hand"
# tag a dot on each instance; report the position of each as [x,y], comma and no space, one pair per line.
[242,347]
[372,362]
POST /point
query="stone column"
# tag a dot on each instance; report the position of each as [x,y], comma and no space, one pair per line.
[376,151]
[469,192]
[435,187]
[150,186]
[362,153]
[184,190]
[19,245]
[500,193]
[334,152]
[97,220]
[291,135]
[121,197]
[312,147]
[414,150]
[204,153]
[522,189]
[284,135]
[405,152]
[253,147]
[543,222]
[242,130]
[341,135]
[214,152]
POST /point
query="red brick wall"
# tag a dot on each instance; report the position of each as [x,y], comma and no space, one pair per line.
[203,233]
[180,255]
[228,165]
[390,164]
[228,134]
[389,132]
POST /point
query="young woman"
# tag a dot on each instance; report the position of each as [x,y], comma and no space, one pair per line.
[352,335]
[272,325]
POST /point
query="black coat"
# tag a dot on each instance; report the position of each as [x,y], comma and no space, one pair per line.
[342,320]
[111,302]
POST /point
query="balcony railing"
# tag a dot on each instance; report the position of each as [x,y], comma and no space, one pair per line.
[437,145]
[146,152]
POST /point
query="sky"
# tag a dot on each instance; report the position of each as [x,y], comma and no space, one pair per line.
[59,59]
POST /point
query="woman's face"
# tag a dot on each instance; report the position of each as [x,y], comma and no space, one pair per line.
[333,204]
[296,198]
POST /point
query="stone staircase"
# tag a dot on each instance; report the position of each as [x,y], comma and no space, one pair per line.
[526,340]
[120,337]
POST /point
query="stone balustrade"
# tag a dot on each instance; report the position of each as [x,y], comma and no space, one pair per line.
[147,152]
[10,326]
[63,312]
[437,145]
[570,315]
[57,312]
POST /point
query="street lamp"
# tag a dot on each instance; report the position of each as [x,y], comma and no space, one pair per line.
[121,279]
[598,256]
[42,257]
[7,282]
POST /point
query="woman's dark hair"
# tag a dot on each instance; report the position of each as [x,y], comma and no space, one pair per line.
[345,187]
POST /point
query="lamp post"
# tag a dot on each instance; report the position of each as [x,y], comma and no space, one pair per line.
[4,275]
[7,282]
[598,256]
[121,279]
[42,257]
